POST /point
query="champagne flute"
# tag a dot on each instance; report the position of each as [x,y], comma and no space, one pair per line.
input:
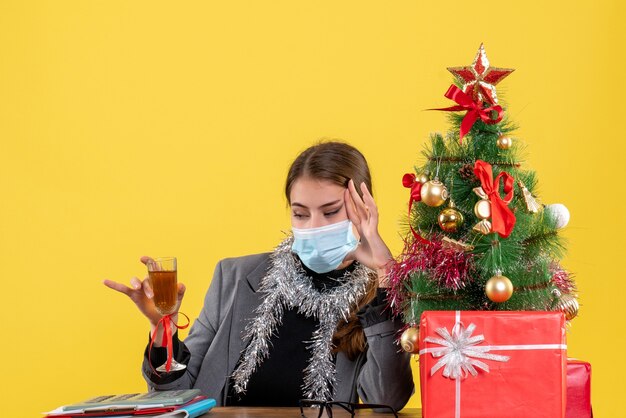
[162,276]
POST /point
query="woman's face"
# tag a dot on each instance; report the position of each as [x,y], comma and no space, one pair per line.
[316,203]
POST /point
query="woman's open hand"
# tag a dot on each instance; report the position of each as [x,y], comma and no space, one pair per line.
[141,294]
[373,252]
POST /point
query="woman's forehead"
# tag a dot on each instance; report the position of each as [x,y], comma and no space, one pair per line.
[314,193]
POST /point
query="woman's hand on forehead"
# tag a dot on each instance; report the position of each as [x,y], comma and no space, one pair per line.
[363,212]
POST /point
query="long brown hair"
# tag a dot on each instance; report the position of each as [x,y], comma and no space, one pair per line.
[338,162]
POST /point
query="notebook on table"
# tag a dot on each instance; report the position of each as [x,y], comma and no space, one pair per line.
[184,402]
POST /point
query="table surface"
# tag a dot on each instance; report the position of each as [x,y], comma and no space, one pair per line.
[254,412]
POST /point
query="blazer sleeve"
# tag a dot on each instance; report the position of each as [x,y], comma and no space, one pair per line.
[197,343]
[385,377]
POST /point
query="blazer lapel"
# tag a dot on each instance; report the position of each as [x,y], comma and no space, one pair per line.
[247,301]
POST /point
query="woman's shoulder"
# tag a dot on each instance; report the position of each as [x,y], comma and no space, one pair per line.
[245,265]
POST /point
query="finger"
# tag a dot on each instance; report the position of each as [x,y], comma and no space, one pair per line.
[135,283]
[181,291]
[352,214]
[368,199]
[122,288]
[358,202]
[147,289]
[149,262]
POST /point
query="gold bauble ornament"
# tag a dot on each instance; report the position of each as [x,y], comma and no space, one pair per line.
[450,219]
[422,178]
[499,289]
[504,142]
[409,340]
[568,304]
[434,193]
[482,209]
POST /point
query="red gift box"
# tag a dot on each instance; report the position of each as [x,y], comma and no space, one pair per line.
[578,389]
[492,364]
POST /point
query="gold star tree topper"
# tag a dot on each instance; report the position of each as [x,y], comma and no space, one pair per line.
[480,79]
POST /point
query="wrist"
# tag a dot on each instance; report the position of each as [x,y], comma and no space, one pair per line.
[383,272]
[386,265]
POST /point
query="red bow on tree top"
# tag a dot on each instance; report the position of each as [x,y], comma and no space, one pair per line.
[502,217]
[474,109]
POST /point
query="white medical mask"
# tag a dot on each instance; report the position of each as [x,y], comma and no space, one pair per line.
[323,249]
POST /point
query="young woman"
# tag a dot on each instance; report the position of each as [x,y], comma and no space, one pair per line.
[307,321]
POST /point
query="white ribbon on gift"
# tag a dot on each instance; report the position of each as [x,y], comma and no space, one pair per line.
[459,353]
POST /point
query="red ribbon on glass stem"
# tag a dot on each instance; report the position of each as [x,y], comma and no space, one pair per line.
[502,217]
[166,340]
[409,181]
[474,110]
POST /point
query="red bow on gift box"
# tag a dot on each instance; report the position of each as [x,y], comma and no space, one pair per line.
[502,217]
[474,110]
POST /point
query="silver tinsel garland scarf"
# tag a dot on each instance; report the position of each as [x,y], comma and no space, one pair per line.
[286,285]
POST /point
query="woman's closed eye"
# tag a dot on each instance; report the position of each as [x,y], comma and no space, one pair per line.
[332,212]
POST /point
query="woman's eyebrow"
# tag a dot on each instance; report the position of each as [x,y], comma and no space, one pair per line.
[325,205]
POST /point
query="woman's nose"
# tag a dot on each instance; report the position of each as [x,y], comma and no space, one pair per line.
[317,220]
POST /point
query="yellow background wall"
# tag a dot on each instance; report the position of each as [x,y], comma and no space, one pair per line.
[166,128]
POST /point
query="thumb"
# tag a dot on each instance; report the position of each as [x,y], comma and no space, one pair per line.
[181,291]
[145,259]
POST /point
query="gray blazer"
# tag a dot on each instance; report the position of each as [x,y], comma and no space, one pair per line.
[382,374]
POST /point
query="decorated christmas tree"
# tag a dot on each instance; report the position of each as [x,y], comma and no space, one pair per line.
[478,238]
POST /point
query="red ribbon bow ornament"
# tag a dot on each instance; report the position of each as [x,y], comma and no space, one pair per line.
[409,181]
[502,217]
[474,110]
